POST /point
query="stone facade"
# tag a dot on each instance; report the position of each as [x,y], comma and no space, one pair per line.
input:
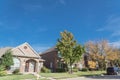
[25,58]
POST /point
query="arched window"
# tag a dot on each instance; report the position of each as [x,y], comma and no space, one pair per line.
[16,64]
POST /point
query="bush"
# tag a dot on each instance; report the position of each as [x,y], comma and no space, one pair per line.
[84,69]
[2,68]
[45,70]
[75,69]
[16,71]
[60,70]
[3,73]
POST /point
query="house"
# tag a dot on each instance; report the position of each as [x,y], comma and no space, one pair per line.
[54,61]
[25,58]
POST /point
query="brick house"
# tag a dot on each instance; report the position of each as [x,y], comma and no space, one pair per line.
[54,61]
[25,58]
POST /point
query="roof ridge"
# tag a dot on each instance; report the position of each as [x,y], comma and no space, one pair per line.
[49,50]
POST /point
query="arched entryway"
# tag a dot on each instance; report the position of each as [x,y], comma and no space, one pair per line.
[30,66]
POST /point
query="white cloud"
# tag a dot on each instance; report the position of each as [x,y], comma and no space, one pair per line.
[112,25]
[115,44]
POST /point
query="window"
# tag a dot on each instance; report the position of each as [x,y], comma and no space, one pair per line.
[25,47]
[16,64]
[51,65]
[59,54]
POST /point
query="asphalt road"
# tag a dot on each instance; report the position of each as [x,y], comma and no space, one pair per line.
[106,77]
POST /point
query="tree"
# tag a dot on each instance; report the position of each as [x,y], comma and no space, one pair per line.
[101,52]
[7,59]
[70,51]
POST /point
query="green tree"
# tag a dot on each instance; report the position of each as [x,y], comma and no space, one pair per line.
[70,50]
[7,59]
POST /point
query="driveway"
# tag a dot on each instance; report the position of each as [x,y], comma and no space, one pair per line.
[106,77]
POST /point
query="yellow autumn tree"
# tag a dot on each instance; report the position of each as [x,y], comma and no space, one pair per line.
[101,52]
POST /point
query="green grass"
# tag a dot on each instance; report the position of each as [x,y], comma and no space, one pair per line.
[75,74]
[19,77]
[90,73]
[53,75]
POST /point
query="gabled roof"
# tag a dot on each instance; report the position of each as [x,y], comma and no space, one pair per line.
[3,50]
[25,50]
[49,50]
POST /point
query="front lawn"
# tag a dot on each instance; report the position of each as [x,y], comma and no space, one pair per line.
[75,74]
[51,75]
[19,77]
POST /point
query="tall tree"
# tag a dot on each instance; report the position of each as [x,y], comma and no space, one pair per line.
[101,52]
[70,50]
[7,59]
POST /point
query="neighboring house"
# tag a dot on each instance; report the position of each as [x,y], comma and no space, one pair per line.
[25,58]
[54,61]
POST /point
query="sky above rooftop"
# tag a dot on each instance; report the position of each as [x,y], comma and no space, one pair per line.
[39,22]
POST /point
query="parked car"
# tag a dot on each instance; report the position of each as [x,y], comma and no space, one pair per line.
[113,71]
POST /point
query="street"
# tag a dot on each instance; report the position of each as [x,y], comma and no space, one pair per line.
[106,77]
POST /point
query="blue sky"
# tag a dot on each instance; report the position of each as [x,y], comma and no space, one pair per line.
[39,22]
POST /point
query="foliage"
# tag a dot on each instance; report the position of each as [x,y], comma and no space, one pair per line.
[84,69]
[60,70]
[45,70]
[2,68]
[16,71]
[102,53]
[75,69]
[7,59]
[3,73]
[92,64]
[70,51]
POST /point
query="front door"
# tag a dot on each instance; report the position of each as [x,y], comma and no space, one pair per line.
[32,66]
[27,67]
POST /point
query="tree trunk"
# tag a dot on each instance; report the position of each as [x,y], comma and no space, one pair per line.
[70,67]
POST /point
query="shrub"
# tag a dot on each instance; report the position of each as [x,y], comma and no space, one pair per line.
[2,68]
[45,70]
[7,59]
[75,69]
[16,71]
[84,69]
[3,73]
[60,70]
